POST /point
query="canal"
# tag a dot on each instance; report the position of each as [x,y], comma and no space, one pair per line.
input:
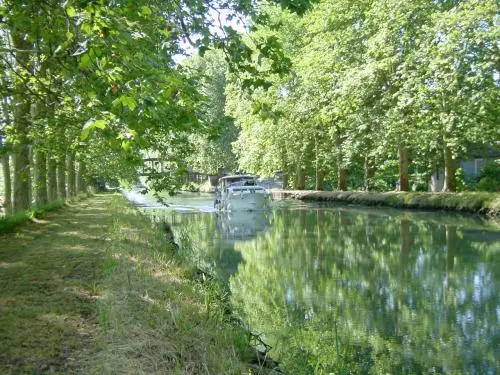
[347,289]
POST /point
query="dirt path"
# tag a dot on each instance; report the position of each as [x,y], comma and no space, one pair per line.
[49,280]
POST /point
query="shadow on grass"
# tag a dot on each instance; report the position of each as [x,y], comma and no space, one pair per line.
[48,292]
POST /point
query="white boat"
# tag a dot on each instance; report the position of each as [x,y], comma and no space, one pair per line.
[241,193]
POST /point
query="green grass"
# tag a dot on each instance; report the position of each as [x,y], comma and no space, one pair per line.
[48,270]
[10,223]
[97,288]
[476,202]
[161,317]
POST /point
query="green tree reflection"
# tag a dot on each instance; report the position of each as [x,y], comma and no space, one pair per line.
[336,291]
[345,290]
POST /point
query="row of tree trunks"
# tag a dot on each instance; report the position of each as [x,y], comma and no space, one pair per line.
[369,174]
[50,179]
[450,184]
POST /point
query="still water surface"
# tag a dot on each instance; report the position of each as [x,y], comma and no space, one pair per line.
[344,289]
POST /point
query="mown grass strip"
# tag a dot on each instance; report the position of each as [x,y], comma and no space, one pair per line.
[475,202]
[10,223]
[49,272]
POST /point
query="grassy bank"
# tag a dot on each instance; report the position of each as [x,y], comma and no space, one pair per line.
[49,269]
[160,316]
[9,223]
[483,203]
[96,288]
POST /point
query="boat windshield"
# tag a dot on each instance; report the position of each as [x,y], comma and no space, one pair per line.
[238,181]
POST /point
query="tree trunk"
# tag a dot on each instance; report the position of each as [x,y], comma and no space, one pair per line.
[40,177]
[320,179]
[61,180]
[342,175]
[450,182]
[404,180]
[369,173]
[22,179]
[342,171]
[82,177]
[51,179]
[22,106]
[7,204]
[301,179]
[285,180]
[71,173]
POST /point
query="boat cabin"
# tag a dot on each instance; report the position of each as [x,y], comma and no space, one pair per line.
[238,180]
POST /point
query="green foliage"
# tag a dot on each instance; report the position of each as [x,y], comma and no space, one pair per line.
[489,179]
[382,76]
[211,147]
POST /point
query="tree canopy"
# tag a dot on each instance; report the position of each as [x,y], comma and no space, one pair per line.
[356,93]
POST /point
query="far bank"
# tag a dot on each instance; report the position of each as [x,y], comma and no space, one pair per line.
[480,203]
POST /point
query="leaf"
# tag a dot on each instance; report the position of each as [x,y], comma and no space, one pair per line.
[126,101]
[85,61]
[90,126]
[129,102]
[146,11]
[71,11]
[126,145]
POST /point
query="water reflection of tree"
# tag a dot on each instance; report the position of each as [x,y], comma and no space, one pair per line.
[335,291]
[212,236]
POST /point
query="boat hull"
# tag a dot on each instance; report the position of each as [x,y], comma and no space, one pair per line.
[244,201]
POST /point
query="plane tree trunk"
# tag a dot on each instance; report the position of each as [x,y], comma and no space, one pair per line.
[320,179]
[7,184]
[342,171]
[61,179]
[301,179]
[71,173]
[404,180]
[22,106]
[41,194]
[82,177]
[450,181]
[51,179]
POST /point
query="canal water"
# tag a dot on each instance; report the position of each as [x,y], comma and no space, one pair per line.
[352,290]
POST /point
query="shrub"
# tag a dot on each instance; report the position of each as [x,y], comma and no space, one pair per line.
[489,179]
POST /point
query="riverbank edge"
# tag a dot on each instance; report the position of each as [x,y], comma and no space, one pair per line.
[479,203]
[185,314]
